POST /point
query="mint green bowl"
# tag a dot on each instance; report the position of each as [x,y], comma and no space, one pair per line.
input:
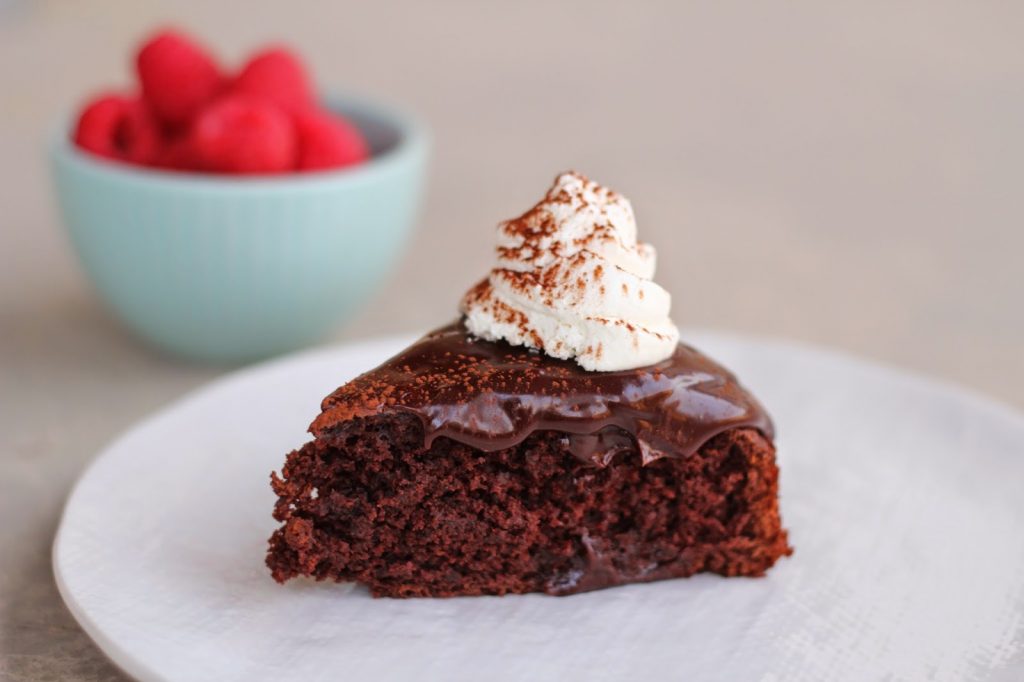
[228,269]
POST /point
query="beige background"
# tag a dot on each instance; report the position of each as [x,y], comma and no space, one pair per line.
[849,175]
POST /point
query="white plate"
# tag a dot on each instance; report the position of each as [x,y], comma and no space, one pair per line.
[904,499]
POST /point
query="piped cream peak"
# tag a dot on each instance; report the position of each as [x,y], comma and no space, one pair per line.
[572,280]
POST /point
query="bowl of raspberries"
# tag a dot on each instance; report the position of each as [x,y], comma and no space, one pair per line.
[228,215]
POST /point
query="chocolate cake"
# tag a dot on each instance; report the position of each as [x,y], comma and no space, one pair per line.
[487,461]
[463,466]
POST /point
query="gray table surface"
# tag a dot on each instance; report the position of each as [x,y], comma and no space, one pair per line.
[848,175]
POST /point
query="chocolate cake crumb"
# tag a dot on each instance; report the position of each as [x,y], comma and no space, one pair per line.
[368,502]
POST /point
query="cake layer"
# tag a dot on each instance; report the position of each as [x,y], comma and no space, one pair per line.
[492,396]
[371,501]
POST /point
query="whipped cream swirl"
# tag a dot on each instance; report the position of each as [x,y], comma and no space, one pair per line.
[572,280]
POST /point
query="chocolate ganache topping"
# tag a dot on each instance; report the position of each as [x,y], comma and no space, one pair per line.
[491,395]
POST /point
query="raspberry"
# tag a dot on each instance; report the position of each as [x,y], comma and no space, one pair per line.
[119,127]
[327,141]
[178,77]
[177,154]
[276,74]
[239,134]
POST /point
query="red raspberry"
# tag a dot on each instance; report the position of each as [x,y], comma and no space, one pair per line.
[278,75]
[178,77]
[243,135]
[177,154]
[328,141]
[119,127]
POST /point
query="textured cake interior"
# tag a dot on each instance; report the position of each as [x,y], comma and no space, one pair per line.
[367,502]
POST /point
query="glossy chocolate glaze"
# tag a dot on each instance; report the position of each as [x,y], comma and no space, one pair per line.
[491,395]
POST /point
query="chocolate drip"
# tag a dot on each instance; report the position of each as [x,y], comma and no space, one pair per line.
[491,395]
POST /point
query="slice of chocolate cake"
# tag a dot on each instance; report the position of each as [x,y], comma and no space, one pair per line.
[556,439]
